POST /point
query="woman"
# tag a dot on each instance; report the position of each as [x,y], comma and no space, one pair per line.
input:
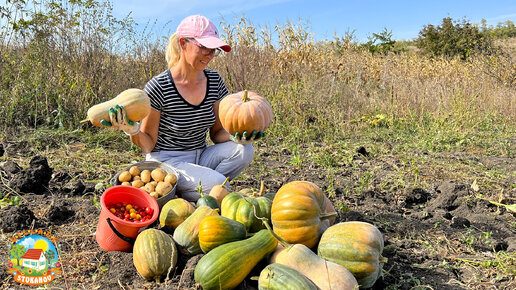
[184,107]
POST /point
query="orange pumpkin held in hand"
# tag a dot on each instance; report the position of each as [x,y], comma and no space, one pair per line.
[245,111]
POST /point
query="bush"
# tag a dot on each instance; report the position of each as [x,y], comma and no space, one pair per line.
[454,38]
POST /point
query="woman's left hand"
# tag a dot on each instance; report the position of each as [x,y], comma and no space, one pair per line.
[120,121]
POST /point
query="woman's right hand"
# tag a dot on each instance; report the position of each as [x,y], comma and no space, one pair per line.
[120,121]
[245,138]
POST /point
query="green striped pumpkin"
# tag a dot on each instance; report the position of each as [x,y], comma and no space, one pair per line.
[227,265]
[240,207]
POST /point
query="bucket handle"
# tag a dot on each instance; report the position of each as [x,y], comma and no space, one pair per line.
[120,235]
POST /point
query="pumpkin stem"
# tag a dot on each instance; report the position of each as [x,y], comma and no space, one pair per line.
[328,215]
[383,259]
[260,193]
[245,98]
[199,189]
[262,189]
[265,221]
[225,181]
[280,240]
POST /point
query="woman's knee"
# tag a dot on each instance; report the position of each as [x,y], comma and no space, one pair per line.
[211,181]
[247,152]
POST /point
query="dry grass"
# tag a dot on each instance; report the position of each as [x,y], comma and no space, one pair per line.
[52,80]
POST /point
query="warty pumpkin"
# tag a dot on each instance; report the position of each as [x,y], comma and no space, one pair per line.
[298,213]
[135,102]
[245,111]
[154,254]
[357,246]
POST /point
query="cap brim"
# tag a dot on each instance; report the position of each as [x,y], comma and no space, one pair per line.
[214,42]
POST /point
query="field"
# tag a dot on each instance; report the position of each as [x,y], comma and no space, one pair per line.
[424,148]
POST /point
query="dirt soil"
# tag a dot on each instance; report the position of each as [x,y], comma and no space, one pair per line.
[427,231]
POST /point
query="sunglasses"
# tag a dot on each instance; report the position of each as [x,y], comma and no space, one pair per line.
[205,51]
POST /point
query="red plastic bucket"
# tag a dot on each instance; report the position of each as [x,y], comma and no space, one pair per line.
[115,234]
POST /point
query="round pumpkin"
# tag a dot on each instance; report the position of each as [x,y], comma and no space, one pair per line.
[246,209]
[174,212]
[216,230]
[357,246]
[245,111]
[298,213]
[154,254]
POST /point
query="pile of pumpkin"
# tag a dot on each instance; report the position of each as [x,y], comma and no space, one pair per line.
[292,228]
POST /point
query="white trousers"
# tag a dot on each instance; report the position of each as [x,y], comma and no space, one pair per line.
[210,165]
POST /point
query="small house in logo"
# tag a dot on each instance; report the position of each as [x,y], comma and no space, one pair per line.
[34,259]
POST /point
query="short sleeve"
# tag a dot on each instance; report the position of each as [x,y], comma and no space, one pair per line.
[222,89]
[153,90]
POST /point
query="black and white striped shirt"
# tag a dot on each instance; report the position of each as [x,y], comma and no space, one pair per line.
[183,126]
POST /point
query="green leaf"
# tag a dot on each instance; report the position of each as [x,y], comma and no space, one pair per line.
[511,207]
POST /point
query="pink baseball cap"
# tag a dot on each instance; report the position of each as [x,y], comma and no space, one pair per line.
[203,30]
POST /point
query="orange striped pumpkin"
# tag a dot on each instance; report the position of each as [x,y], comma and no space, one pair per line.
[245,111]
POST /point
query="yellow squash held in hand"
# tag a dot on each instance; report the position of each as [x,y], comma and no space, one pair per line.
[135,102]
[245,111]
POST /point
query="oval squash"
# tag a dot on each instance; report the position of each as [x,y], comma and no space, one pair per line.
[280,277]
[135,102]
[357,246]
[298,213]
[227,265]
[186,235]
[154,254]
[218,230]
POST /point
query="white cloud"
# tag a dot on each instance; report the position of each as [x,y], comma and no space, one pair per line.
[28,243]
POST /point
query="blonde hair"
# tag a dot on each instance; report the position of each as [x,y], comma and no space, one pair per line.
[173,50]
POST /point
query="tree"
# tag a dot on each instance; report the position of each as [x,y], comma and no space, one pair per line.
[454,38]
[380,42]
[17,251]
[50,254]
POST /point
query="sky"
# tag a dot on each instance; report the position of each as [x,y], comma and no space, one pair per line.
[325,18]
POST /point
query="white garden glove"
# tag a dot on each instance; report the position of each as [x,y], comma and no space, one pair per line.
[120,121]
[244,138]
